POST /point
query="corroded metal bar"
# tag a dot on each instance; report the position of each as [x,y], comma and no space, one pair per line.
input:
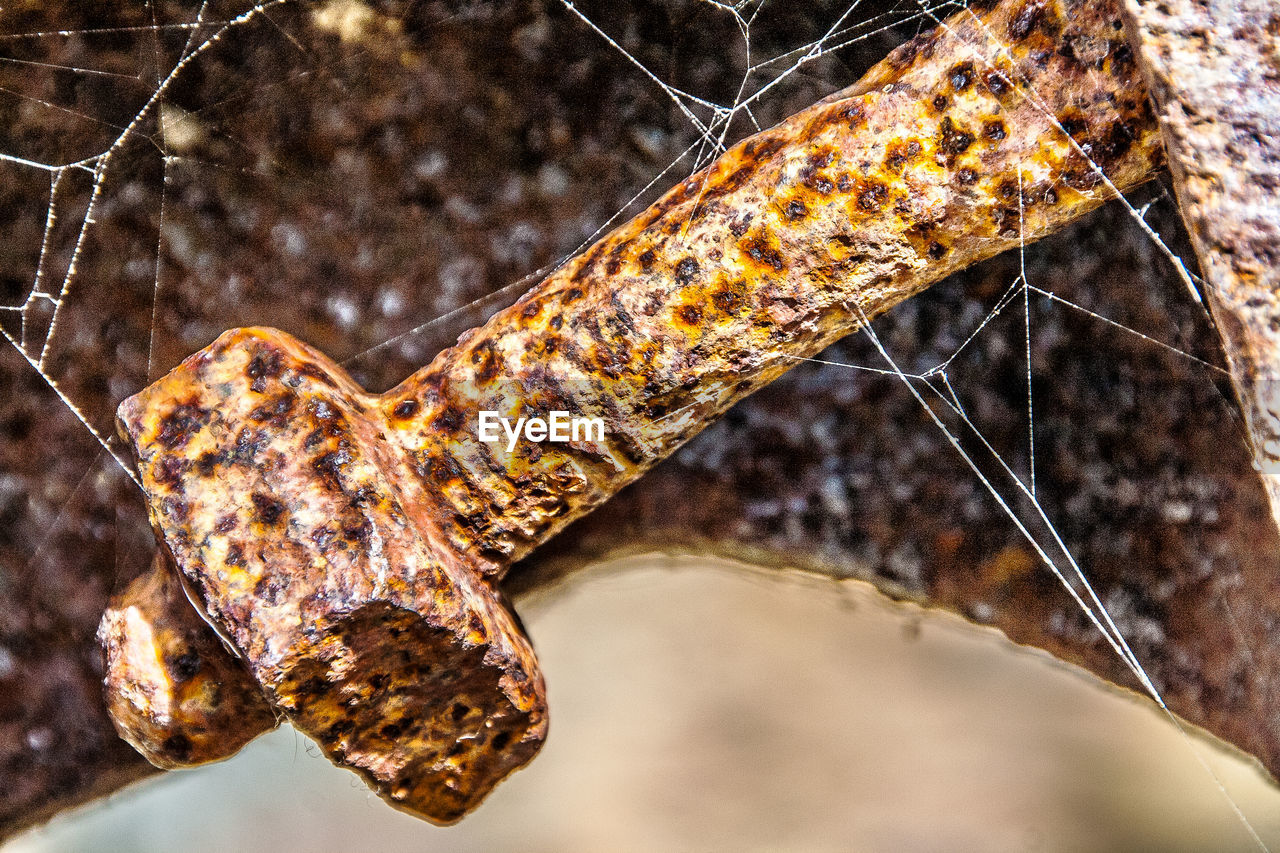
[1214,75]
[951,151]
[349,544]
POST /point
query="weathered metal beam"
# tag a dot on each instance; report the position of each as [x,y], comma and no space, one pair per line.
[1213,67]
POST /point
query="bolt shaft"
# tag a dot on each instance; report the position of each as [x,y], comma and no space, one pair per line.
[950,151]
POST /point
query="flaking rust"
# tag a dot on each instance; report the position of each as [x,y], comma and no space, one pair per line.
[350,544]
[1214,71]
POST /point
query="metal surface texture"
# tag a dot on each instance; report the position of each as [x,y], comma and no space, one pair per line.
[1214,72]
[300,508]
[451,191]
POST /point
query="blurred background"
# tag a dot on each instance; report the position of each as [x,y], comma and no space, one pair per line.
[702,705]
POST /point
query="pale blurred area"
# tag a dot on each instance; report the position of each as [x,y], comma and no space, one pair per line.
[712,708]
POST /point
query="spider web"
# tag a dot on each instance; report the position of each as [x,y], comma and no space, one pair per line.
[139,142]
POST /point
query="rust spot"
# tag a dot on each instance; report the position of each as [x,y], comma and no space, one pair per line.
[937,251]
[485,361]
[266,508]
[322,411]
[1007,220]
[249,443]
[940,103]
[177,427]
[766,146]
[358,533]
[854,116]
[1115,143]
[176,509]
[178,748]
[264,365]
[169,470]
[686,271]
[690,314]
[646,259]
[996,83]
[994,130]
[1084,177]
[815,181]
[275,410]
[726,300]
[406,408]
[1121,59]
[795,209]
[731,182]
[587,262]
[1073,124]
[821,158]
[966,176]
[450,419]
[312,371]
[961,76]
[953,140]
[268,589]
[607,362]
[323,537]
[873,196]
[329,466]
[1027,19]
[185,666]
[921,46]
[809,175]
[208,463]
[759,250]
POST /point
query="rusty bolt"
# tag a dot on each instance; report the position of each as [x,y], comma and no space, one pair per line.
[294,516]
[350,545]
